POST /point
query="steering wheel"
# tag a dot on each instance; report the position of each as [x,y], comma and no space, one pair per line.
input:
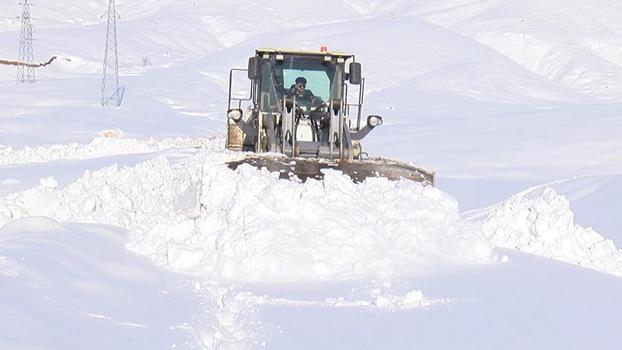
[319,112]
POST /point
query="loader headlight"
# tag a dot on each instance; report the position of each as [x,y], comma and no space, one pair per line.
[374,121]
[235,115]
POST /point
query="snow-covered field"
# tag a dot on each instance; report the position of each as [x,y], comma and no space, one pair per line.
[122,228]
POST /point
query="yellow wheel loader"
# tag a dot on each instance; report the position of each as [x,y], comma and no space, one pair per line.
[298,118]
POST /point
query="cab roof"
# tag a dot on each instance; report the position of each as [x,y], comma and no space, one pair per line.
[345,55]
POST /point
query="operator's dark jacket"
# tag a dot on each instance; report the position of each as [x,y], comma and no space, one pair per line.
[306,95]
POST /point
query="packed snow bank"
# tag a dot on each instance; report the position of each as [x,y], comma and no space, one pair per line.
[196,215]
[100,147]
[587,195]
[199,216]
[539,221]
[266,228]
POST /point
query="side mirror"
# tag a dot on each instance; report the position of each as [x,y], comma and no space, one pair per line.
[254,68]
[355,73]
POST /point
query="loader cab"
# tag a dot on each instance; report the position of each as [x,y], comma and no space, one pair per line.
[324,79]
[317,121]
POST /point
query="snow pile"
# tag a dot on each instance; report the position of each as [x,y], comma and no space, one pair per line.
[254,226]
[197,215]
[100,147]
[250,225]
[541,222]
[131,198]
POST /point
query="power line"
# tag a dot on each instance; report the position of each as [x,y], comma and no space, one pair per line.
[112,94]
[26,72]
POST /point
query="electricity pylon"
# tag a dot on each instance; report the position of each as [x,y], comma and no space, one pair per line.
[26,72]
[112,95]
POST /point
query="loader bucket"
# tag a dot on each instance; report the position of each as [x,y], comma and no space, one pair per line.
[357,170]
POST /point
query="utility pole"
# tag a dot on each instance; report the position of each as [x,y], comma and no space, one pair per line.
[26,73]
[112,95]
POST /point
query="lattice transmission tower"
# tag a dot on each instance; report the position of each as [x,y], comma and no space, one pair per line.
[112,94]
[26,72]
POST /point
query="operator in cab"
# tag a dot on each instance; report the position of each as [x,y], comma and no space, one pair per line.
[303,95]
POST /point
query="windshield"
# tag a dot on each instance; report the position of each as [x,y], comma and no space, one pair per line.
[317,81]
[308,77]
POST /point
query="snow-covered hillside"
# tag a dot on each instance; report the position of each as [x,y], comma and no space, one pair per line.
[123,228]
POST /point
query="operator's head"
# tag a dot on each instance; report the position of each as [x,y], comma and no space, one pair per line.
[301,83]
